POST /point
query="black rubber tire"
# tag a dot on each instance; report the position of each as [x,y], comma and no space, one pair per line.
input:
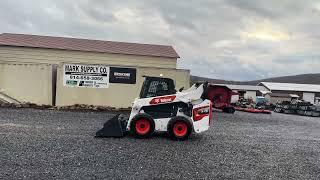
[133,126]
[232,110]
[315,114]
[225,109]
[229,110]
[171,124]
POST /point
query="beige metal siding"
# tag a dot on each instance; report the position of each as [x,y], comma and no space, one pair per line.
[117,95]
[27,82]
[52,56]
[33,83]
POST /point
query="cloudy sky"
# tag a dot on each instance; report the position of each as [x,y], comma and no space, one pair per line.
[227,39]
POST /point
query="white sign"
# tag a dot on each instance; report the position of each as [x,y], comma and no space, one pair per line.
[81,75]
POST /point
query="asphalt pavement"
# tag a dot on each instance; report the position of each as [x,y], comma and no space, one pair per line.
[49,144]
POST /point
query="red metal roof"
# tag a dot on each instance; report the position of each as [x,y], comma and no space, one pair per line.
[63,43]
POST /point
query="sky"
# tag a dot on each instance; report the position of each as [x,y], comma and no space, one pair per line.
[222,39]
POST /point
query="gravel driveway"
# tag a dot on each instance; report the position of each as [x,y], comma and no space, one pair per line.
[48,144]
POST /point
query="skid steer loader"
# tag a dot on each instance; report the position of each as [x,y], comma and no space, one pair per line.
[160,108]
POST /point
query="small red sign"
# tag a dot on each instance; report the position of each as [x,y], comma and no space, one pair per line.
[163,99]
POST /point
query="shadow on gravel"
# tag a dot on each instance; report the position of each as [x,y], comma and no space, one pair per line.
[159,136]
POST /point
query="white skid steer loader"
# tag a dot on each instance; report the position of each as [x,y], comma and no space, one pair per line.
[160,108]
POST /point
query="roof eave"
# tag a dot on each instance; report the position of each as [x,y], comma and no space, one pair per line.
[176,57]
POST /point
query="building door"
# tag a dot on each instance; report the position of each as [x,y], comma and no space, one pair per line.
[309,97]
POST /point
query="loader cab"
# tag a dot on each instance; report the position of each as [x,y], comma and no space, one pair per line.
[157,86]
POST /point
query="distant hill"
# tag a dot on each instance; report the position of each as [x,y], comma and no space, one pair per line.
[300,79]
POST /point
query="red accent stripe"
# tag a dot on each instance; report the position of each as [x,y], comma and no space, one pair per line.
[163,99]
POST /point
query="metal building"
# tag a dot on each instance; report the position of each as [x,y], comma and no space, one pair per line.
[65,71]
[307,92]
[246,91]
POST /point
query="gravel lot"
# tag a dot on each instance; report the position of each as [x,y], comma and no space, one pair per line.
[47,144]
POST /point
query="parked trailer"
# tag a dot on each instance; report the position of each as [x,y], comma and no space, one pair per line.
[253,110]
[220,97]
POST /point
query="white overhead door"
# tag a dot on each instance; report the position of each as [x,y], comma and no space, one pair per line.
[251,95]
[309,97]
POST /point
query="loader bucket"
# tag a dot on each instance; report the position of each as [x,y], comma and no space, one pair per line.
[114,127]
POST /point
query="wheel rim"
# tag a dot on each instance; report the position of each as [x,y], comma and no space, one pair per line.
[142,126]
[180,129]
